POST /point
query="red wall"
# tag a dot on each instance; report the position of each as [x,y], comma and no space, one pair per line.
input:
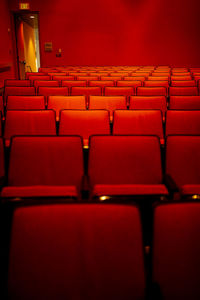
[6,57]
[128,32]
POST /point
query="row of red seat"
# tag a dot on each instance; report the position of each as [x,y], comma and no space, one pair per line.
[118,165]
[86,123]
[98,91]
[63,251]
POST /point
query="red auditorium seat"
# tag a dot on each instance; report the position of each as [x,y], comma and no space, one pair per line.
[151,91]
[154,83]
[176,78]
[61,78]
[119,91]
[32,122]
[113,78]
[134,78]
[84,123]
[58,103]
[18,91]
[38,83]
[158,78]
[109,103]
[182,122]
[36,77]
[184,102]
[1,106]
[128,165]
[2,164]
[122,74]
[86,91]
[131,83]
[74,83]
[148,102]
[57,74]
[25,102]
[87,77]
[183,91]
[183,83]
[85,251]
[15,82]
[183,163]
[45,166]
[28,74]
[52,91]
[138,122]
[101,83]
[176,248]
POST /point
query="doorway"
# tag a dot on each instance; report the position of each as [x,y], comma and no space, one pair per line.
[27,42]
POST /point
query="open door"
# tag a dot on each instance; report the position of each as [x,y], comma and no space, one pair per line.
[27,39]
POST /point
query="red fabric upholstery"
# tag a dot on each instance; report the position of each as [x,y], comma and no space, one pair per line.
[15,82]
[52,91]
[19,91]
[2,164]
[185,102]
[109,103]
[183,122]
[32,78]
[39,162]
[84,123]
[61,78]
[148,102]
[134,78]
[138,122]
[79,251]
[58,103]
[151,91]
[180,77]
[176,248]
[81,77]
[38,83]
[70,83]
[191,189]
[25,102]
[101,83]
[158,78]
[119,91]
[29,123]
[183,160]
[154,83]
[86,91]
[28,74]
[39,191]
[183,83]
[131,83]
[113,78]
[125,161]
[183,91]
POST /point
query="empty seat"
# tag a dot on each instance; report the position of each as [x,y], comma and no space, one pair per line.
[84,123]
[119,91]
[154,83]
[58,103]
[18,91]
[36,77]
[25,122]
[183,83]
[28,74]
[183,163]
[176,247]
[25,102]
[113,78]
[138,122]
[183,91]
[44,166]
[176,78]
[131,83]
[158,78]
[1,106]
[15,82]
[90,247]
[182,122]
[135,78]
[109,103]
[151,91]
[101,83]
[81,77]
[38,83]
[86,91]
[184,102]
[52,91]
[61,78]
[71,83]
[148,102]
[125,165]
[2,162]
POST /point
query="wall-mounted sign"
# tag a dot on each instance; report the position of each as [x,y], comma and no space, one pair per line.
[48,47]
[24,6]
